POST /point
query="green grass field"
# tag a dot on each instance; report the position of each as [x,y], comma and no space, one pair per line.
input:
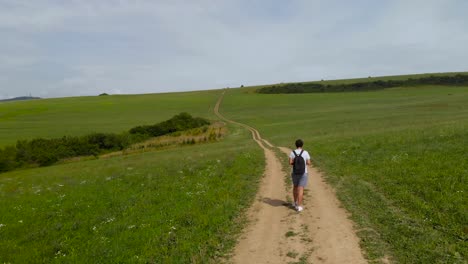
[172,206]
[396,157]
[76,116]
[176,205]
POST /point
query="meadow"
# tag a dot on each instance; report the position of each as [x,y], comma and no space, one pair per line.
[178,204]
[396,157]
[77,116]
[155,207]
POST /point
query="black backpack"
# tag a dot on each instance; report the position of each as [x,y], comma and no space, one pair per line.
[298,164]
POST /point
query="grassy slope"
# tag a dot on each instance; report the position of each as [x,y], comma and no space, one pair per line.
[82,115]
[175,205]
[383,78]
[397,157]
[368,143]
[387,78]
[172,205]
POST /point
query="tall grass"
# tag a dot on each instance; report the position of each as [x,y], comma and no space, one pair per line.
[406,189]
[396,157]
[178,205]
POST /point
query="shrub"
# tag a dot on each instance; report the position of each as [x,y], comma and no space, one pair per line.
[7,159]
[180,122]
[459,79]
[44,152]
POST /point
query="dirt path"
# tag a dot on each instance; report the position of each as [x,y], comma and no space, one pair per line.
[276,233]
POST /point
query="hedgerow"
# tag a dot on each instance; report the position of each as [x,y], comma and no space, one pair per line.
[45,152]
[455,80]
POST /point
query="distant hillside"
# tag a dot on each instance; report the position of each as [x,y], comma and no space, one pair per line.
[21,98]
[368,84]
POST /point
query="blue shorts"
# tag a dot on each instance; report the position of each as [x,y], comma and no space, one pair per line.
[299,180]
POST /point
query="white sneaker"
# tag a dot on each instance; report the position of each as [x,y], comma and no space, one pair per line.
[299,208]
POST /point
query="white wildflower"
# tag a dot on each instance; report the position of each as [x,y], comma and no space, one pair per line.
[20,221]
[109,220]
[108,178]
[131,226]
[2,225]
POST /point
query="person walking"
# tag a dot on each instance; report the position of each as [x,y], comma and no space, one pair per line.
[299,159]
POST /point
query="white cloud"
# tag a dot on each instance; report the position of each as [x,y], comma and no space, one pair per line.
[57,48]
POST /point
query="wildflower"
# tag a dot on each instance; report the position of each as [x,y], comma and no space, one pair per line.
[131,226]
[108,178]
[20,221]
[2,225]
[60,185]
[109,220]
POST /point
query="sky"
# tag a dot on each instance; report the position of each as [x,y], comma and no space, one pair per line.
[56,48]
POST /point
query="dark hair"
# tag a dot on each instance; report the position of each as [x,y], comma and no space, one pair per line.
[299,143]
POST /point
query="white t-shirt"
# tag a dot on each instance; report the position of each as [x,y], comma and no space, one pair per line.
[305,155]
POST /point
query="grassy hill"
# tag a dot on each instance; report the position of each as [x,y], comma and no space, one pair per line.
[20,98]
[177,204]
[397,158]
[76,116]
[388,78]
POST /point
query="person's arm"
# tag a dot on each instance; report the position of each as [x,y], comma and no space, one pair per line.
[291,161]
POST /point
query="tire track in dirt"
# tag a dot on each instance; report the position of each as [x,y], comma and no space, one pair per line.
[322,233]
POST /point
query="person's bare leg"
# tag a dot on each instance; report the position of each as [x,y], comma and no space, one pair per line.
[300,194]
[295,194]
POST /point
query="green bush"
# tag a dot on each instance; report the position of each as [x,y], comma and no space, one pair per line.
[455,80]
[7,159]
[45,152]
[180,122]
